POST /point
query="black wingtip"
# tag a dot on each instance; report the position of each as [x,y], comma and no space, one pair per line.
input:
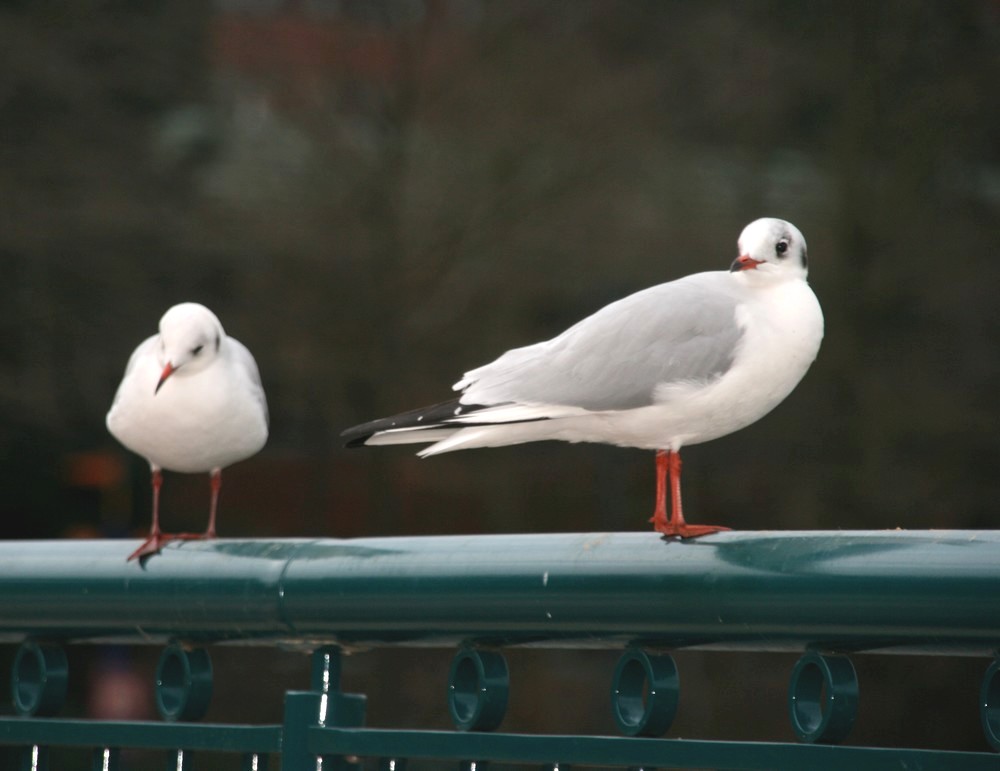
[428,417]
[356,436]
[356,441]
[434,416]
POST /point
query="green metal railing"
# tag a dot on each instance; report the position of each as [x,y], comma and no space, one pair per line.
[825,595]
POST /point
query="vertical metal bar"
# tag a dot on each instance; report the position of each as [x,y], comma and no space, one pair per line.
[325,675]
[105,759]
[254,761]
[301,714]
[335,708]
[35,758]
[180,760]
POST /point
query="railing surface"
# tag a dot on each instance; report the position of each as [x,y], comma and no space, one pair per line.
[823,594]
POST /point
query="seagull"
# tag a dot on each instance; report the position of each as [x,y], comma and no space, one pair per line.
[669,366]
[190,401]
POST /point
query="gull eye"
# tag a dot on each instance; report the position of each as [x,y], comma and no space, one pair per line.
[197,349]
[781,247]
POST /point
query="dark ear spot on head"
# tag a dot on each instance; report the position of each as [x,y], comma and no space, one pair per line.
[218,341]
[805,258]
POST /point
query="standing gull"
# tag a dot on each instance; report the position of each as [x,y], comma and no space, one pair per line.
[669,366]
[190,401]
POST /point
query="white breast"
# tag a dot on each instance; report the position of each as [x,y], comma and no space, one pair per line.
[196,423]
[783,328]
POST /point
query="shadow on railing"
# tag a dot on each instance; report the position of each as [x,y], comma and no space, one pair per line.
[827,595]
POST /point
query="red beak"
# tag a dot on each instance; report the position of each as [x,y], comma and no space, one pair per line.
[167,372]
[744,262]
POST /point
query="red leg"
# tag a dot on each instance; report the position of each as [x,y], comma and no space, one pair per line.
[659,518]
[677,525]
[216,481]
[157,539]
[157,483]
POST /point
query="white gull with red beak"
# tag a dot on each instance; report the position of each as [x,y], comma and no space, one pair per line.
[673,365]
[191,400]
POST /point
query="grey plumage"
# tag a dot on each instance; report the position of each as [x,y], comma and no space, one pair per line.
[633,346]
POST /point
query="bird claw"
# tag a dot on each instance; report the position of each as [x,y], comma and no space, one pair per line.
[206,536]
[669,529]
[151,546]
[155,543]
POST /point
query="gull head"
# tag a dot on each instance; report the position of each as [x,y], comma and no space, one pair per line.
[190,338]
[771,247]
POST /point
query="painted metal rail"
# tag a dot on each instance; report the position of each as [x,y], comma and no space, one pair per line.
[826,595]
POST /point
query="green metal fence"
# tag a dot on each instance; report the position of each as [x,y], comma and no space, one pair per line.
[828,596]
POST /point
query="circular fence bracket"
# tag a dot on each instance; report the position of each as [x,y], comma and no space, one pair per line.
[183,683]
[644,693]
[989,704]
[478,687]
[38,679]
[823,698]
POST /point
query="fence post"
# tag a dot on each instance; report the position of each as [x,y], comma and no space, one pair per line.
[301,713]
[324,705]
[344,710]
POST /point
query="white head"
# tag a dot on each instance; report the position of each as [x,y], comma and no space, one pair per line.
[773,248]
[190,339]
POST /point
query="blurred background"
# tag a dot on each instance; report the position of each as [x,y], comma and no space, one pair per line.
[377,196]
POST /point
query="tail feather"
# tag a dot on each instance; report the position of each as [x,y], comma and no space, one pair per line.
[414,422]
[438,422]
[407,436]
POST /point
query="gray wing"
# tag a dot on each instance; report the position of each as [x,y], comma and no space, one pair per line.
[683,331]
[241,354]
[141,350]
